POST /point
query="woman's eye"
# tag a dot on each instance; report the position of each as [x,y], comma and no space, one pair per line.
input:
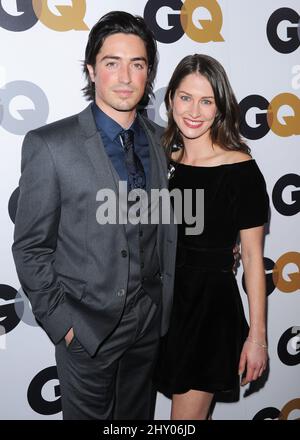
[184,98]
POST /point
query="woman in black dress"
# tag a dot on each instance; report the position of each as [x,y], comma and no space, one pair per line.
[209,343]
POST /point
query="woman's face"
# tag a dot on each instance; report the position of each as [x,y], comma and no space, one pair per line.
[194,108]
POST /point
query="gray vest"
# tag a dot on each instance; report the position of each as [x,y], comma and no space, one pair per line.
[144,268]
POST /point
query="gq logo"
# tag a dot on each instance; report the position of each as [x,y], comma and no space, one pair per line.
[290,41]
[26,13]
[283,275]
[44,392]
[11,307]
[284,204]
[268,117]
[14,307]
[288,348]
[287,282]
[274,413]
[181,20]
[156,110]
[14,116]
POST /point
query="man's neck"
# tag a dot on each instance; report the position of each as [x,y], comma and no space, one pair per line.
[123,118]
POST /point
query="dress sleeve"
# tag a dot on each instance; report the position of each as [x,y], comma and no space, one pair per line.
[253,200]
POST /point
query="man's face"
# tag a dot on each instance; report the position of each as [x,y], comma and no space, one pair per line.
[120,74]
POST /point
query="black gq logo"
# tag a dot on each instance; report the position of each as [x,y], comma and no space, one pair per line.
[282,206]
[35,396]
[291,40]
[288,348]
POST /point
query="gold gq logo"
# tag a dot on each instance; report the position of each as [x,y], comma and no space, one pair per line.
[292,283]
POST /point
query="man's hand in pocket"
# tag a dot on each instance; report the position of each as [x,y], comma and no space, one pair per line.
[69,337]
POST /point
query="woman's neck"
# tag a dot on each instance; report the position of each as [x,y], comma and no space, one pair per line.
[198,151]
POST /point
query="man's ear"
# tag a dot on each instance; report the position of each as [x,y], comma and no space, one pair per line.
[91,72]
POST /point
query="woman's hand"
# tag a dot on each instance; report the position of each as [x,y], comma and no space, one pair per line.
[254,357]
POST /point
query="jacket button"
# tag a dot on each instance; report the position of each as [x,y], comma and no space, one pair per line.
[121,292]
[142,265]
[124,253]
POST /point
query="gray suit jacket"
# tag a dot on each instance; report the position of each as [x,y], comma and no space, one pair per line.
[71,267]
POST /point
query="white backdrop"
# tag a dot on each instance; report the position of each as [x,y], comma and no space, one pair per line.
[40,81]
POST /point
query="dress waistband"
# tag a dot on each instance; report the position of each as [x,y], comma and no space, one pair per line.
[205,258]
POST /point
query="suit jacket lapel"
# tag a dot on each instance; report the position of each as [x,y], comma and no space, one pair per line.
[156,150]
[94,148]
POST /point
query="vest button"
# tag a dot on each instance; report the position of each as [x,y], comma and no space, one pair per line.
[121,292]
[124,253]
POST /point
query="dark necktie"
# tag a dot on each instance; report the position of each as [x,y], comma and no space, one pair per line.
[135,169]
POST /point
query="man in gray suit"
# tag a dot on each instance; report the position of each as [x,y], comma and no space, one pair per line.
[102,292]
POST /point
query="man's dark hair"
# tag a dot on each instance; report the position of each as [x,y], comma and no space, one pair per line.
[113,23]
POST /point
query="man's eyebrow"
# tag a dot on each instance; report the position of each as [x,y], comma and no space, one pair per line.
[113,57]
[110,57]
[140,59]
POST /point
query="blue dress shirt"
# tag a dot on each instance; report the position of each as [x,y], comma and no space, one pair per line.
[110,132]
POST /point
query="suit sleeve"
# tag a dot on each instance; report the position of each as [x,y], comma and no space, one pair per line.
[35,237]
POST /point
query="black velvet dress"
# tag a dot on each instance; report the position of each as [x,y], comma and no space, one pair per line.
[202,348]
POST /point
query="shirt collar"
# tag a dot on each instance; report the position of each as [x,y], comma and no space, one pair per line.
[109,126]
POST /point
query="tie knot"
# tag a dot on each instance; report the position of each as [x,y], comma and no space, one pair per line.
[127,138]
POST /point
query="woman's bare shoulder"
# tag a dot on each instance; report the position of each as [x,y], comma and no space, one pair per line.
[237,156]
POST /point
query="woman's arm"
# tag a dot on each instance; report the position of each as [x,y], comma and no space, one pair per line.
[254,354]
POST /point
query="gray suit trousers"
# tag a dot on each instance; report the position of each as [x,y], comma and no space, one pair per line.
[116,383]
